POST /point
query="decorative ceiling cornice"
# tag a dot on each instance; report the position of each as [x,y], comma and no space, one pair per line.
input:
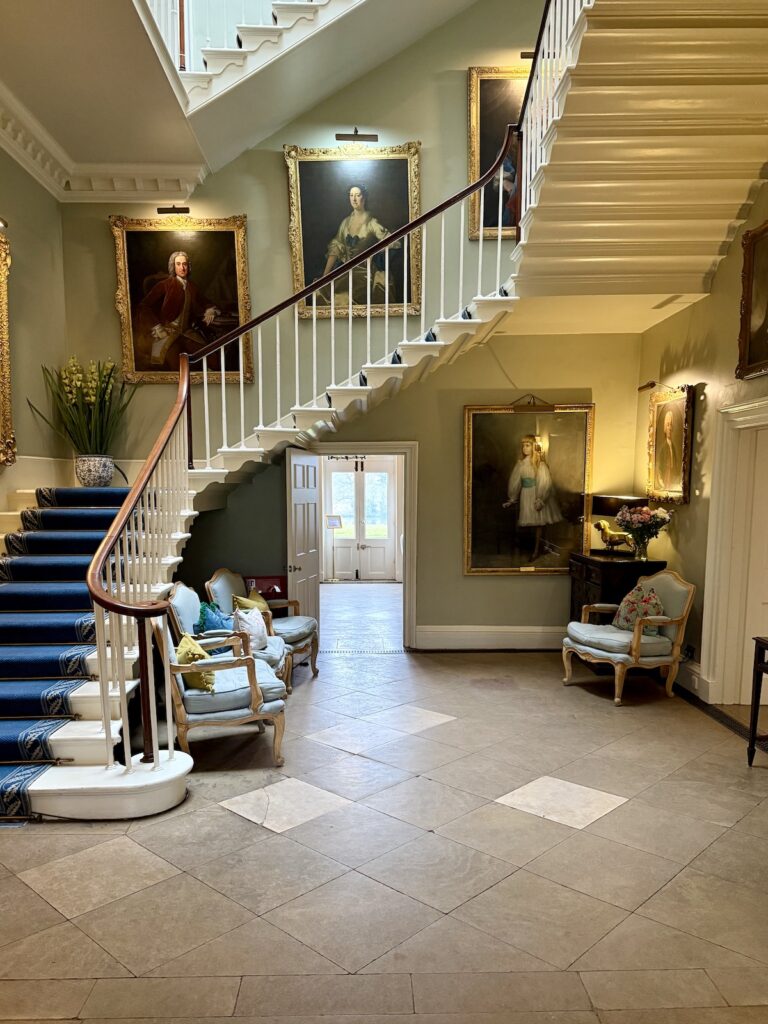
[27,141]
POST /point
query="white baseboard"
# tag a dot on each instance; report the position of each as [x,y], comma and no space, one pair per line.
[690,678]
[489,638]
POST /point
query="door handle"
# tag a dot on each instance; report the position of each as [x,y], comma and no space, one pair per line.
[294,568]
[363,547]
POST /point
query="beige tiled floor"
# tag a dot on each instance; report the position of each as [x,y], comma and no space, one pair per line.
[454,839]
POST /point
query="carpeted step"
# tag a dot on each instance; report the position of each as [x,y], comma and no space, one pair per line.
[47,628]
[45,661]
[32,698]
[67,518]
[81,497]
[15,780]
[33,568]
[38,597]
[28,739]
[54,542]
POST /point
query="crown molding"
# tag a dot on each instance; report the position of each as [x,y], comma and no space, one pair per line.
[27,141]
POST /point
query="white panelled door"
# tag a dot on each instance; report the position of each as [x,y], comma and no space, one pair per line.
[364,493]
[756,617]
[302,473]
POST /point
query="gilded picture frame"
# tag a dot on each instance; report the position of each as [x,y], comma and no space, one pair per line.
[495,99]
[320,183]
[159,320]
[527,484]
[670,435]
[753,328]
[7,436]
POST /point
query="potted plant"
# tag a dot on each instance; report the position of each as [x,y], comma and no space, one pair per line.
[642,525]
[88,411]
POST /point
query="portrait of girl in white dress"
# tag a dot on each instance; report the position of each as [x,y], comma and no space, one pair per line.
[530,487]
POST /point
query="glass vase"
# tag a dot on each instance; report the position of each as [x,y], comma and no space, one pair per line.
[641,550]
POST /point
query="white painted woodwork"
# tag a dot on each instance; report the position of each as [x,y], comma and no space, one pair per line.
[302,477]
[756,605]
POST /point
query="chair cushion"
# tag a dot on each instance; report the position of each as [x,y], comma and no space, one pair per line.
[294,628]
[186,607]
[251,621]
[639,603]
[617,641]
[232,691]
[248,602]
[212,617]
[273,653]
[258,600]
[188,652]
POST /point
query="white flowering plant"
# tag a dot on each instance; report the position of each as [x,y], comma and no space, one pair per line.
[88,404]
[642,524]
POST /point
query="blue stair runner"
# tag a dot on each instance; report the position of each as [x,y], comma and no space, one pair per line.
[46,628]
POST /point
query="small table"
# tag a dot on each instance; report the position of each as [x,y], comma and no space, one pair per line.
[759,670]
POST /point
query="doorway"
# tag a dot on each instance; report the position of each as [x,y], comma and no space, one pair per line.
[361,591]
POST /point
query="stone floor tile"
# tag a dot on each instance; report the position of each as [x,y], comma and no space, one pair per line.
[355,735]
[741,986]
[704,800]
[94,877]
[728,769]
[677,837]
[566,802]
[437,871]
[641,944]
[59,952]
[200,836]
[357,705]
[530,755]
[255,948]
[472,734]
[409,718]
[330,920]
[51,1000]
[504,832]
[309,718]
[650,746]
[354,835]
[23,912]
[449,993]
[263,876]
[20,851]
[541,917]
[423,802]
[162,997]
[304,755]
[756,822]
[481,776]
[711,908]
[285,804]
[193,801]
[610,774]
[737,857]
[636,990]
[415,754]
[451,947]
[338,995]
[355,777]
[699,1015]
[606,870]
[216,786]
[158,924]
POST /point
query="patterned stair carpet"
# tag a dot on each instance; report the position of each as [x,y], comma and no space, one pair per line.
[47,628]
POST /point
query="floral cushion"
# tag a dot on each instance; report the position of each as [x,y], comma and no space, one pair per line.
[638,603]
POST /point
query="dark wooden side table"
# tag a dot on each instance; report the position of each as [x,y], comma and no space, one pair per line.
[605,578]
[758,671]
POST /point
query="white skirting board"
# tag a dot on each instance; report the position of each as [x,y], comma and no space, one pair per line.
[690,678]
[489,638]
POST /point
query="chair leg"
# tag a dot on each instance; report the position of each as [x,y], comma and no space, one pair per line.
[313,655]
[620,672]
[277,740]
[567,656]
[288,673]
[671,677]
[261,727]
[181,732]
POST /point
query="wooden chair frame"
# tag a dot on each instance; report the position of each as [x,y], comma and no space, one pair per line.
[668,671]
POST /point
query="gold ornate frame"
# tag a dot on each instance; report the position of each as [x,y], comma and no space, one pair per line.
[294,156]
[749,366]
[7,436]
[586,410]
[120,226]
[683,396]
[516,72]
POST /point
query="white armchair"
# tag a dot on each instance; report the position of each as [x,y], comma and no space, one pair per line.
[624,649]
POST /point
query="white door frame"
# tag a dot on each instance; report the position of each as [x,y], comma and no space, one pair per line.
[727,568]
[410,451]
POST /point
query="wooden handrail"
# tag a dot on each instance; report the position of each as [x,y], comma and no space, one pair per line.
[104,550]
[368,254]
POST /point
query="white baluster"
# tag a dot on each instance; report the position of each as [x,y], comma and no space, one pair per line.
[222,353]
[259,347]
[206,414]
[386,302]
[241,363]
[368,310]
[405,287]
[297,397]
[278,383]
[423,295]
[499,228]
[442,265]
[101,648]
[146,625]
[333,334]
[349,326]
[170,724]
[480,240]
[314,348]
[462,221]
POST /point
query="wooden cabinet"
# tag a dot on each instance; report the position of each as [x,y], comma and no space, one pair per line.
[596,578]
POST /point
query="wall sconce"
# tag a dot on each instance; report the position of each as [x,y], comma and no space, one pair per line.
[658,384]
[3,224]
[609,504]
[173,209]
[356,136]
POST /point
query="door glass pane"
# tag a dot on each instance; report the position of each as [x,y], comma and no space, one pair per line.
[343,503]
[376,503]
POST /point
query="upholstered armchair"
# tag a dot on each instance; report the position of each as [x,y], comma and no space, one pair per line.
[244,690]
[300,632]
[184,614]
[624,649]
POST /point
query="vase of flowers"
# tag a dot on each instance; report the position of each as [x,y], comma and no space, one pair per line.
[642,525]
[88,411]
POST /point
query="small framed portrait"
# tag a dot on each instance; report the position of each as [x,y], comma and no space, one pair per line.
[670,429]
[526,487]
[753,334]
[182,283]
[495,100]
[343,201]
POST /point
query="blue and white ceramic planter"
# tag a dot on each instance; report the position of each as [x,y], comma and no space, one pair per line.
[94,470]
